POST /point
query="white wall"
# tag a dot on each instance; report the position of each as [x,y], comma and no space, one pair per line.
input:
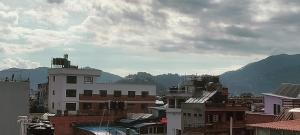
[174,121]
[60,86]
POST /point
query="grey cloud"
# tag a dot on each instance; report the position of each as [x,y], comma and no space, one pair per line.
[55,1]
[242,32]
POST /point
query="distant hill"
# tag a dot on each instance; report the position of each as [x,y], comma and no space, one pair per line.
[162,82]
[263,76]
[39,75]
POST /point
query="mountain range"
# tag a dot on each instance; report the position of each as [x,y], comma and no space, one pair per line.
[263,76]
[258,77]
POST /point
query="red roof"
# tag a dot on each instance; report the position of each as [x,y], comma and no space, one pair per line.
[290,125]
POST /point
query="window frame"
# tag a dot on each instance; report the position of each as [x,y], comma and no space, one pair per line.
[88,93]
[70,82]
[72,96]
[101,93]
[73,109]
[117,95]
[131,95]
[91,81]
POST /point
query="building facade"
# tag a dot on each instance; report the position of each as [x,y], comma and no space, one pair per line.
[14,98]
[75,91]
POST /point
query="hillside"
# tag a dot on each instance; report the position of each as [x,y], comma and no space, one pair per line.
[263,76]
[39,75]
[162,82]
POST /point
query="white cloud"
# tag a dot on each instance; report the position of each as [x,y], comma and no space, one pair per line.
[18,63]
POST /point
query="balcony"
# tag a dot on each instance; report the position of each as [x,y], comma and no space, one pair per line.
[225,107]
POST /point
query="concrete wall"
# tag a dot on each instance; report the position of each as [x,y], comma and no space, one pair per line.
[269,102]
[193,120]
[14,99]
[174,121]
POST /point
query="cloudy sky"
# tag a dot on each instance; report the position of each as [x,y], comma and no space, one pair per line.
[156,36]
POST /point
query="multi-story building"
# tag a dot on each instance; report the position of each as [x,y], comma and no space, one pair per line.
[75,91]
[201,106]
[14,98]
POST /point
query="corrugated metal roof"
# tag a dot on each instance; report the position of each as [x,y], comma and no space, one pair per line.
[289,90]
[205,96]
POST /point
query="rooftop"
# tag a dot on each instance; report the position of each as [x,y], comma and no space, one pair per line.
[290,125]
[288,90]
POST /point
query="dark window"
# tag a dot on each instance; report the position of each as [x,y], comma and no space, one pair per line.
[276,109]
[150,130]
[103,93]
[200,115]
[145,93]
[131,93]
[53,92]
[178,132]
[71,93]
[88,79]
[189,114]
[184,114]
[87,106]
[52,105]
[88,93]
[195,114]
[53,78]
[171,103]
[71,79]
[117,93]
[71,106]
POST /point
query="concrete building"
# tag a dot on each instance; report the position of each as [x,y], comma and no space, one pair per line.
[75,91]
[287,96]
[14,98]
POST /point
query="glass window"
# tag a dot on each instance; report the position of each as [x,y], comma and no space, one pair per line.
[131,93]
[71,79]
[53,92]
[53,78]
[145,93]
[117,93]
[103,93]
[52,105]
[70,93]
[71,106]
[87,106]
[88,79]
[88,93]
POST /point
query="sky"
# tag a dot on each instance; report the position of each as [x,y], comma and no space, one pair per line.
[155,36]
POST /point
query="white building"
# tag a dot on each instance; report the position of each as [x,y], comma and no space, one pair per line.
[14,98]
[76,91]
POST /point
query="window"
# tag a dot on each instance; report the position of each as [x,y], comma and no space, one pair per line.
[195,114]
[276,109]
[131,93]
[117,93]
[145,93]
[53,78]
[71,79]
[52,105]
[71,106]
[88,93]
[87,106]
[70,93]
[215,118]
[53,92]
[88,79]
[184,114]
[103,93]
[189,114]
